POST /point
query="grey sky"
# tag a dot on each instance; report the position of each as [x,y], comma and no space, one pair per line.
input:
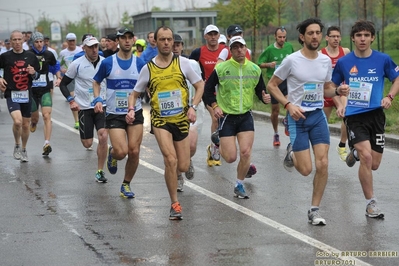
[65,10]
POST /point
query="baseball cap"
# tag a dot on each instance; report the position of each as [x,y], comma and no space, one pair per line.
[237,39]
[122,31]
[70,36]
[90,41]
[222,39]
[7,41]
[36,36]
[233,30]
[112,37]
[85,36]
[177,38]
[210,28]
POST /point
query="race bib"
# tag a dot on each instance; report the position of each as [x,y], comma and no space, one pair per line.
[40,82]
[170,103]
[121,101]
[359,94]
[313,95]
[20,96]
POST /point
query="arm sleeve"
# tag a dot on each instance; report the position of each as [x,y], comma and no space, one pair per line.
[209,95]
[63,86]
[260,87]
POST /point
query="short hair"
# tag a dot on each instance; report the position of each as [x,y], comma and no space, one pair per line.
[301,27]
[282,28]
[333,28]
[148,34]
[161,28]
[363,25]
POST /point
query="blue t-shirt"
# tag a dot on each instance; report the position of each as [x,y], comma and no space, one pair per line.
[149,53]
[106,66]
[365,76]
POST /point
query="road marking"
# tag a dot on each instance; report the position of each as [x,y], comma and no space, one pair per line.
[263,219]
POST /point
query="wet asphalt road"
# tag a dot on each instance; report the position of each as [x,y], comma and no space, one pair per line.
[53,212]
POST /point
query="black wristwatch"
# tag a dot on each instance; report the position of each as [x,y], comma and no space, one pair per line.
[194,107]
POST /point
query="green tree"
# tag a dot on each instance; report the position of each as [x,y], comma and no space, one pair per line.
[43,25]
[126,20]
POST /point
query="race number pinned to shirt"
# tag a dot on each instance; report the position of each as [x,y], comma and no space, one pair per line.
[20,96]
[359,94]
[170,103]
[121,101]
[313,95]
[40,82]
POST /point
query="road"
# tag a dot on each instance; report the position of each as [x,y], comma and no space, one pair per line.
[54,213]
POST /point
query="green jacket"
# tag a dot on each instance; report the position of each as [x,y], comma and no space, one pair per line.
[237,84]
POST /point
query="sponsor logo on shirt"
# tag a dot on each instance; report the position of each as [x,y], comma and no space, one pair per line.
[353,71]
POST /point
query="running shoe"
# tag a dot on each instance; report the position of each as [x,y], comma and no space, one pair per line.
[351,159]
[216,156]
[180,183]
[373,211]
[126,192]
[46,149]
[24,156]
[209,158]
[191,171]
[342,153]
[32,127]
[17,152]
[175,212]
[288,161]
[251,171]
[315,218]
[76,125]
[239,192]
[276,140]
[100,177]
[112,164]
[215,137]
[285,123]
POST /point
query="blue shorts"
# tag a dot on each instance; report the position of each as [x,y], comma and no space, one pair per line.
[231,125]
[314,129]
[25,108]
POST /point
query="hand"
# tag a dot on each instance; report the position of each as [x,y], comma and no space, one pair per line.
[217,112]
[130,117]
[343,90]
[74,106]
[30,70]
[296,112]
[98,108]
[272,64]
[192,115]
[386,103]
[340,111]
[266,97]
[3,84]
[57,82]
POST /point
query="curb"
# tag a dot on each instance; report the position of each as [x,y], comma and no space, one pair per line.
[391,140]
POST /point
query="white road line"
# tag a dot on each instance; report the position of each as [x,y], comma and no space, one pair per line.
[291,232]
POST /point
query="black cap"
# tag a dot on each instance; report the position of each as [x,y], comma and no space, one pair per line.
[122,31]
[233,30]
[46,37]
[112,37]
[86,35]
[7,41]
[177,38]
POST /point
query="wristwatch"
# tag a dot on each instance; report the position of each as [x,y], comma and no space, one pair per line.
[194,107]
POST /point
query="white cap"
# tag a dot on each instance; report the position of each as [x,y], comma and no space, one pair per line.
[210,28]
[70,36]
[237,39]
[222,39]
[90,41]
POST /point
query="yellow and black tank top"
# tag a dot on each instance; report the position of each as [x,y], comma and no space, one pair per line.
[169,94]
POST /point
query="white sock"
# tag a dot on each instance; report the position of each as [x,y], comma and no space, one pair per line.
[370,200]
[238,181]
[355,154]
[46,142]
[314,207]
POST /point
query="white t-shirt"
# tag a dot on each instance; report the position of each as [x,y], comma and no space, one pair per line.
[305,79]
[66,57]
[83,71]
[200,108]
[225,53]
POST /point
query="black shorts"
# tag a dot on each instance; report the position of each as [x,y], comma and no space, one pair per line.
[231,125]
[88,119]
[25,108]
[367,126]
[283,88]
[179,131]
[119,121]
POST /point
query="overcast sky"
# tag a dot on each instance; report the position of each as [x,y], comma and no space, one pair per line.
[64,10]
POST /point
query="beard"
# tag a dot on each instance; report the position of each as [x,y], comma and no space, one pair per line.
[309,46]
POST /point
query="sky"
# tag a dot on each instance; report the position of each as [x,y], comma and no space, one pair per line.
[19,14]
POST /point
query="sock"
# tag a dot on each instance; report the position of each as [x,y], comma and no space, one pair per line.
[370,200]
[276,133]
[126,182]
[355,154]
[24,149]
[341,144]
[99,170]
[16,145]
[46,142]
[313,208]
[238,182]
